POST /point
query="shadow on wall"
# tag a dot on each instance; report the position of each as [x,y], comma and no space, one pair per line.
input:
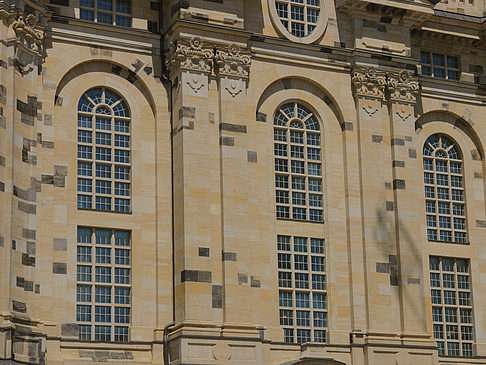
[398,271]
[253,13]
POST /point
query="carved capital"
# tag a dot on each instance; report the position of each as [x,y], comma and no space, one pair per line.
[401,87]
[191,55]
[369,83]
[232,61]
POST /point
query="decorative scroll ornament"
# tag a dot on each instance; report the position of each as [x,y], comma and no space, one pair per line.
[189,55]
[402,88]
[232,61]
[368,83]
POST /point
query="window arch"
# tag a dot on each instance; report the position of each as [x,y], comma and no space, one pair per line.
[444,190]
[104,167]
[298,167]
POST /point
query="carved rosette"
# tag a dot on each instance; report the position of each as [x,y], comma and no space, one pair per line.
[401,87]
[368,83]
[191,55]
[233,62]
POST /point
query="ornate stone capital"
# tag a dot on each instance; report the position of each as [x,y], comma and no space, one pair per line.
[401,87]
[232,61]
[368,83]
[190,55]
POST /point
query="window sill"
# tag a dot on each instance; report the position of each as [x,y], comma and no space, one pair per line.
[299,220]
[105,211]
[450,242]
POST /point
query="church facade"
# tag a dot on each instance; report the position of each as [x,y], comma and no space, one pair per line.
[274,182]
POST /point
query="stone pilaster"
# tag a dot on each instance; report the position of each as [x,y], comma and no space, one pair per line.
[401,91]
[232,67]
[377,308]
[195,163]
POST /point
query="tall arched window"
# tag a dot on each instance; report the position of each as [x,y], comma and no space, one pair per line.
[444,190]
[103,151]
[298,168]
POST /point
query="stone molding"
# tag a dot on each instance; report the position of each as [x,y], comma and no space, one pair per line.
[191,55]
[232,61]
[395,87]
[368,83]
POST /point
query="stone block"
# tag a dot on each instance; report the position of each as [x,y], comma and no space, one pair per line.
[37,288]
[3,122]
[47,179]
[255,283]
[229,256]
[242,279]
[203,251]
[390,206]
[187,112]
[348,126]
[413,281]
[217,296]
[59,244]
[237,128]
[2,241]
[28,233]
[59,181]
[481,223]
[412,153]
[28,285]
[398,163]
[398,142]
[20,282]
[2,161]
[252,156]
[399,184]
[261,117]
[26,207]
[30,248]
[382,267]
[70,330]
[227,141]
[376,139]
[475,155]
[2,186]
[19,306]
[59,268]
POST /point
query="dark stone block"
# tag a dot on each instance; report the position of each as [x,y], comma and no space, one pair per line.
[137,65]
[398,142]
[47,179]
[28,194]
[187,112]
[59,268]
[19,306]
[388,186]
[382,267]
[25,108]
[229,256]
[2,243]
[393,259]
[217,296]
[28,233]
[237,128]
[408,139]
[475,155]
[204,276]
[394,280]
[242,279]
[189,275]
[261,117]
[47,144]
[69,330]
[413,281]
[3,122]
[116,69]
[14,245]
[412,153]
[476,69]
[2,161]
[35,184]
[398,163]
[203,251]
[390,206]
[148,70]
[20,282]
[59,244]
[398,184]
[27,119]
[26,208]
[252,156]
[60,170]
[227,141]
[47,119]
[377,139]
[2,186]
[37,288]
[30,248]
[478,175]
[348,126]
[59,181]
[255,283]
[480,223]
[28,285]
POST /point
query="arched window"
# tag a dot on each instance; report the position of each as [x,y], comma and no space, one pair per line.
[298,17]
[444,190]
[298,168]
[103,151]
